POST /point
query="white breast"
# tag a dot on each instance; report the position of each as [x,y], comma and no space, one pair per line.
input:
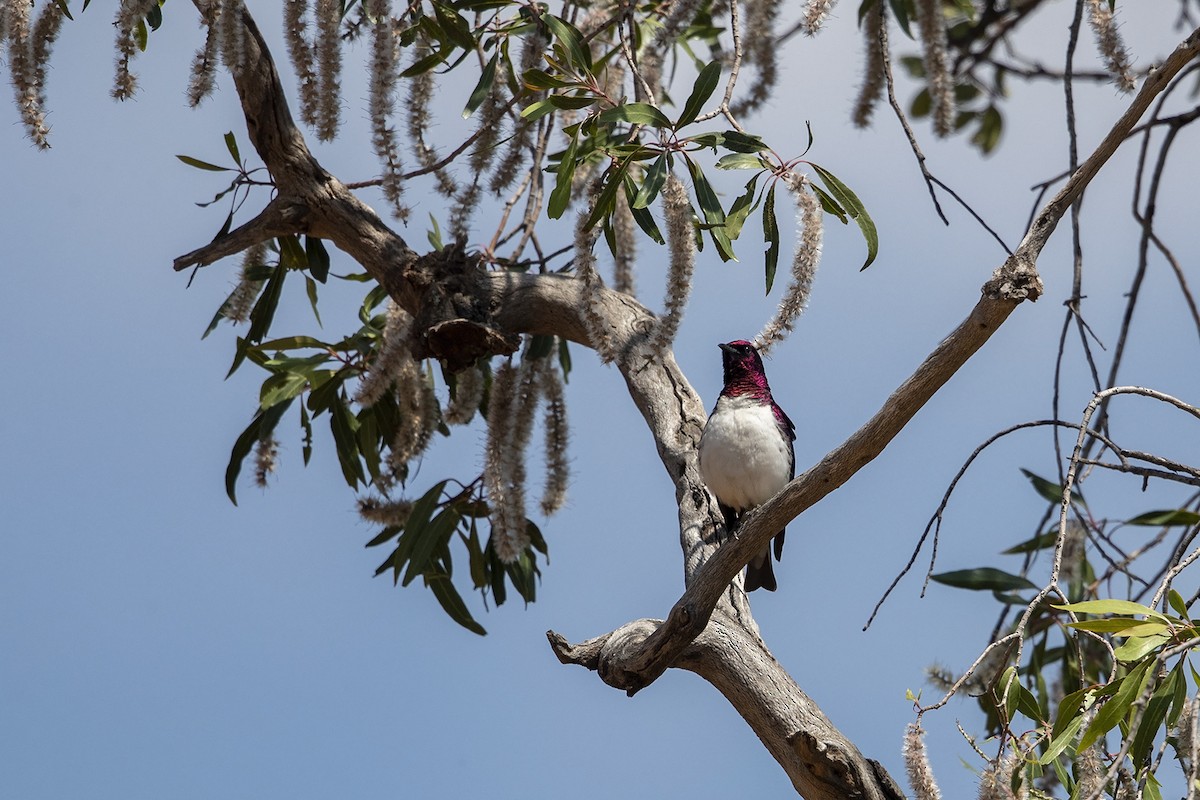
[743,457]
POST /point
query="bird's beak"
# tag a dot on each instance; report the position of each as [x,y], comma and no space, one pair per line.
[726,348]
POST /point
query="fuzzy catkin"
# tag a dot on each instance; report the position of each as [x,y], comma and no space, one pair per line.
[916,762]
[391,513]
[232,34]
[554,495]
[593,286]
[204,68]
[468,393]
[681,243]
[300,52]
[937,64]
[1112,47]
[505,490]
[383,87]
[815,14]
[874,78]
[128,16]
[329,68]
[243,297]
[804,265]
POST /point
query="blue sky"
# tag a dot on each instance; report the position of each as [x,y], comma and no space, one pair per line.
[156,641]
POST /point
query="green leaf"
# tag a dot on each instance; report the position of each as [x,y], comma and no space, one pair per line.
[231,146]
[741,161]
[1051,490]
[318,259]
[830,205]
[454,26]
[260,427]
[310,288]
[1154,715]
[1117,706]
[984,578]
[641,216]
[903,10]
[702,89]
[1042,541]
[280,387]
[452,603]
[483,88]
[711,211]
[636,114]
[344,425]
[385,535]
[656,176]
[263,312]
[560,196]
[742,208]
[141,35]
[432,538]
[1164,519]
[1061,740]
[1109,624]
[574,48]
[1111,607]
[307,441]
[1176,601]
[740,142]
[1138,647]
[771,237]
[606,201]
[538,80]
[198,164]
[854,207]
[428,62]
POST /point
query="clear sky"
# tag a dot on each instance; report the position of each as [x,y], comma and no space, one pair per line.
[157,642]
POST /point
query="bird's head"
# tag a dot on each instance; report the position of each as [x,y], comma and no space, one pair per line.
[743,368]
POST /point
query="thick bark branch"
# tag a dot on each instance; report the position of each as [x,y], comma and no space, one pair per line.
[464,312]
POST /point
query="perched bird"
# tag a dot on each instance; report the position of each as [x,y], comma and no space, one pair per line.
[746,453]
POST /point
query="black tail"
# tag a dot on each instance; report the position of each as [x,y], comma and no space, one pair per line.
[760,574]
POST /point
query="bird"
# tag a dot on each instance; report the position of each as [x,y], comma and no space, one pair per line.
[746,449]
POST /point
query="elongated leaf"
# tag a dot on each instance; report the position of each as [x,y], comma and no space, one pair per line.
[1178,604]
[538,80]
[614,179]
[740,142]
[854,207]
[984,578]
[740,161]
[343,425]
[263,312]
[560,196]
[318,259]
[432,537]
[261,426]
[1137,648]
[1051,490]
[1179,516]
[702,89]
[1117,706]
[452,603]
[1112,625]
[483,88]
[454,26]
[574,48]
[742,208]
[1061,741]
[1042,541]
[711,212]
[771,237]
[1110,607]
[198,164]
[636,114]
[280,387]
[656,176]
[232,147]
[428,62]
[641,216]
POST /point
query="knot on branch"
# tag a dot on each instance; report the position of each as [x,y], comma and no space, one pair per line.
[1015,280]
[830,764]
[460,343]
[455,308]
[622,649]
